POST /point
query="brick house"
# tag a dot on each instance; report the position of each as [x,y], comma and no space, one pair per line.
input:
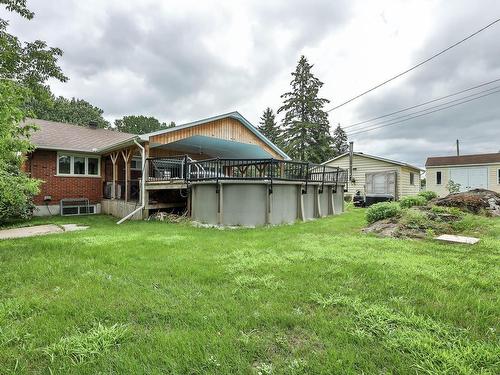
[67,161]
[220,170]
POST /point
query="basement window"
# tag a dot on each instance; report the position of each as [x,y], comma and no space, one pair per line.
[438,178]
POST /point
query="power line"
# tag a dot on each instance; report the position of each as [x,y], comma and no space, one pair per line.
[421,104]
[417,65]
[429,108]
[423,114]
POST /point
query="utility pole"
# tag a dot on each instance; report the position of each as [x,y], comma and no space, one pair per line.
[458,147]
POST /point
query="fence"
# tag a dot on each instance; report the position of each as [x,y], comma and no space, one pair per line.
[184,169]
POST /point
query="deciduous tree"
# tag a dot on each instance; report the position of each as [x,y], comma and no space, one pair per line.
[74,111]
[16,188]
[140,124]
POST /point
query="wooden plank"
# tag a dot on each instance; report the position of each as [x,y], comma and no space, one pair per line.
[227,129]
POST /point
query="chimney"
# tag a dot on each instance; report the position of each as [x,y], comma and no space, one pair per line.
[458,147]
[92,125]
[351,152]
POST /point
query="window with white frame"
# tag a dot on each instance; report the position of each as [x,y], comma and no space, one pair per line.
[135,164]
[438,178]
[412,178]
[78,165]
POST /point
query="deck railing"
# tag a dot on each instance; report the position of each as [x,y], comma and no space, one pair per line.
[184,169]
[167,168]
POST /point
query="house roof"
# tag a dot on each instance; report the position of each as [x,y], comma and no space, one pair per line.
[463,159]
[375,158]
[53,135]
[235,115]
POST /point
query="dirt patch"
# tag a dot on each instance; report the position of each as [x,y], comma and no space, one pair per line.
[39,230]
[474,201]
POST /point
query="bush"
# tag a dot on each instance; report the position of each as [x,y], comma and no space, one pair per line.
[428,195]
[416,200]
[382,210]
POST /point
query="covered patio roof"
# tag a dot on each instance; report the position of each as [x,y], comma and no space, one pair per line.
[199,144]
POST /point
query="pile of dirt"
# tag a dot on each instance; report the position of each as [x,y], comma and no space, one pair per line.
[416,222]
[474,201]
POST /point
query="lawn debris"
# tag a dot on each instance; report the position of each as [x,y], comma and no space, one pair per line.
[475,201]
[168,217]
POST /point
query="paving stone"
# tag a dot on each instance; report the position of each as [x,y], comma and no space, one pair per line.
[457,239]
[37,230]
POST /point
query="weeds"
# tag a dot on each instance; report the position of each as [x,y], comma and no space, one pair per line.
[435,347]
[83,346]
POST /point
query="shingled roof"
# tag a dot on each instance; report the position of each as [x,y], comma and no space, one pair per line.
[463,160]
[53,135]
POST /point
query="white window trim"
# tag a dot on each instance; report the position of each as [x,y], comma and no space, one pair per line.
[71,165]
[138,159]
[440,182]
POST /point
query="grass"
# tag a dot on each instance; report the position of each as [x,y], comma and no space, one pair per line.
[316,297]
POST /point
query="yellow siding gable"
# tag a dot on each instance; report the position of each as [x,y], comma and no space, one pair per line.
[363,165]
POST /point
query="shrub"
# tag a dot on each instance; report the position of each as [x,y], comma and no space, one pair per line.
[453,187]
[415,219]
[416,200]
[428,195]
[382,210]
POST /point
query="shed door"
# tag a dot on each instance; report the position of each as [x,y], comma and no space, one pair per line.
[381,183]
[470,178]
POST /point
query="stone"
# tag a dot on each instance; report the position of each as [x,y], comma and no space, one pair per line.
[457,239]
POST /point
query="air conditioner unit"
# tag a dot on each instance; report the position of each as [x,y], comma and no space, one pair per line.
[77,206]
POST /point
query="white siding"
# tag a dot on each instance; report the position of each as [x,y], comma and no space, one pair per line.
[445,177]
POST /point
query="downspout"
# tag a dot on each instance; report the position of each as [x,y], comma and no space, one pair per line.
[143,185]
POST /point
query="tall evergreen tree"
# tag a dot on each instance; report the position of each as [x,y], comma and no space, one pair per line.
[339,143]
[306,128]
[270,128]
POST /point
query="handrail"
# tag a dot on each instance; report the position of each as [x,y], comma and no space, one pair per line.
[270,169]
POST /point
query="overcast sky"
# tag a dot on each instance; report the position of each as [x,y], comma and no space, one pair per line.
[185,60]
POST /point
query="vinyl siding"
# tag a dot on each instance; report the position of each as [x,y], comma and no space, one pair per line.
[404,182]
[445,172]
[363,165]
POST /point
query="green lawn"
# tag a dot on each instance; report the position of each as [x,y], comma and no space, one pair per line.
[316,297]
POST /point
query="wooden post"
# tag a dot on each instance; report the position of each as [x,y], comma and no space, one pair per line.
[114,158]
[126,154]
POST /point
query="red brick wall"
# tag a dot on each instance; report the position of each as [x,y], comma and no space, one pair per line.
[42,165]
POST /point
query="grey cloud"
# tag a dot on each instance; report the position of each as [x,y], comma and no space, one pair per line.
[477,123]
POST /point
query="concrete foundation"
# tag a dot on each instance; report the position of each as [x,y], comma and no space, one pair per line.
[120,208]
[250,203]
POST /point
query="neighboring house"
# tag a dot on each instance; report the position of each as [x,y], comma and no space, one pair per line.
[90,170]
[470,171]
[377,176]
